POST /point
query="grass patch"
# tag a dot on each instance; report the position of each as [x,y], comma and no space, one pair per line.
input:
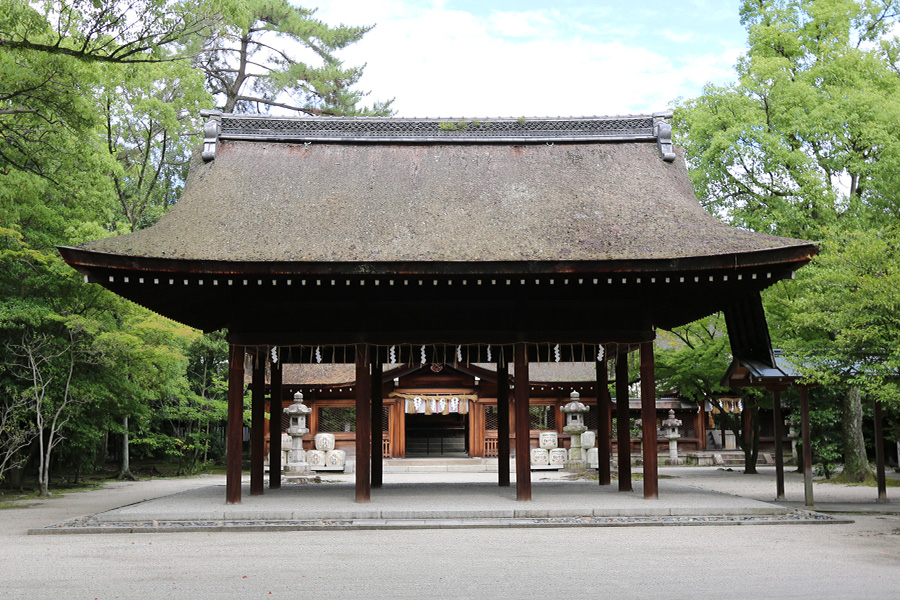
[872,483]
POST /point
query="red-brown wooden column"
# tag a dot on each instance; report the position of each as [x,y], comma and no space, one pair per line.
[257,425]
[623,422]
[503,424]
[363,423]
[377,423]
[234,438]
[275,414]
[648,417]
[807,447]
[701,424]
[779,449]
[523,423]
[879,453]
[604,423]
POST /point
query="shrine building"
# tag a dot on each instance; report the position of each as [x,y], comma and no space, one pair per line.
[425,242]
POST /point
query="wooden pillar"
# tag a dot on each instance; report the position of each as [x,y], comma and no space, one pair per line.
[648,416]
[275,414]
[257,425]
[363,423]
[604,424]
[377,423]
[503,423]
[623,423]
[879,453]
[779,448]
[234,438]
[807,447]
[700,428]
[523,431]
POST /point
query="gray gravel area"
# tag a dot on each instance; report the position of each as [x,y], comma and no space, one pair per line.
[858,559]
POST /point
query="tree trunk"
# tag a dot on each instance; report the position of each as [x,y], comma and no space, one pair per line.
[103,446]
[748,435]
[856,464]
[125,465]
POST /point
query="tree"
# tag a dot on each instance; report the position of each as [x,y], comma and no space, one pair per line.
[109,31]
[16,431]
[692,361]
[278,56]
[47,364]
[846,319]
[151,117]
[806,137]
[804,143]
[98,108]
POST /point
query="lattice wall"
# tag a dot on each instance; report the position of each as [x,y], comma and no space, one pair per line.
[542,418]
[337,419]
[490,417]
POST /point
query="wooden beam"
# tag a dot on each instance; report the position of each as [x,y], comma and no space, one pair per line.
[779,449]
[257,425]
[604,423]
[275,414]
[235,426]
[377,424]
[503,424]
[363,423]
[523,431]
[648,416]
[623,423]
[807,447]
[879,453]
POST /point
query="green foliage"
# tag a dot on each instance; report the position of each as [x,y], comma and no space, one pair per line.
[99,109]
[278,55]
[806,138]
[804,144]
[846,314]
[109,31]
[150,113]
[692,359]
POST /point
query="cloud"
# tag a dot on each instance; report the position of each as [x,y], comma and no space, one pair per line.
[441,62]
[678,37]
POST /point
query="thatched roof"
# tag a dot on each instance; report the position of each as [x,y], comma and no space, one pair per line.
[295,231]
[551,198]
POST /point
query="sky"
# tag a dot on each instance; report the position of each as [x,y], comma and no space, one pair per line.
[470,58]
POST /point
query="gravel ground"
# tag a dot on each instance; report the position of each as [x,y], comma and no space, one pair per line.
[855,560]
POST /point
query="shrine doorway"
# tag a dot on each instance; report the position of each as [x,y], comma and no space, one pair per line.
[437,435]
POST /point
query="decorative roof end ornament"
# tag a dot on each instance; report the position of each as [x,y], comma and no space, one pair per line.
[663,132]
[211,131]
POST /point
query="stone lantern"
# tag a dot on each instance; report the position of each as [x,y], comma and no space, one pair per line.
[639,423]
[296,464]
[794,436]
[575,426]
[670,427]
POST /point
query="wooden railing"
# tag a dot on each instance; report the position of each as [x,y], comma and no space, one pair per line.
[490,448]
[386,448]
